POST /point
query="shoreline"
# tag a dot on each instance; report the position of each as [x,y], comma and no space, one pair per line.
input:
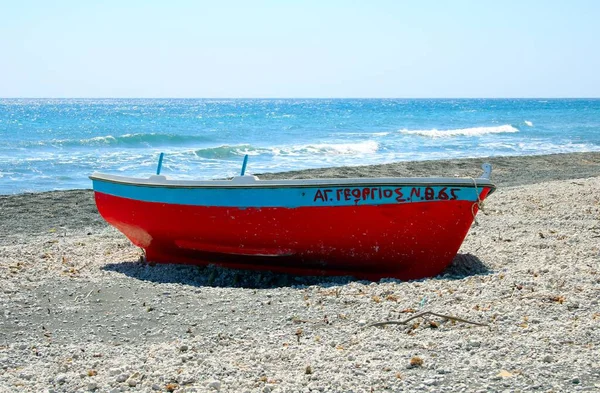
[507,170]
[569,165]
[81,313]
[72,209]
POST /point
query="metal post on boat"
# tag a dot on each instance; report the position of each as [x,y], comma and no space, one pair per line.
[244,165]
[160,160]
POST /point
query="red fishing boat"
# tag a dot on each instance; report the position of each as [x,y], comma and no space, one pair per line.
[406,228]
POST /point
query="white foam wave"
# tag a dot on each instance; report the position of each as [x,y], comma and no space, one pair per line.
[533,147]
[365,147]
[530,124]
[100,139]
[474,131]
[365,134]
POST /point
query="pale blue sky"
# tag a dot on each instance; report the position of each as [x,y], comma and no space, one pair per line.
[260,48]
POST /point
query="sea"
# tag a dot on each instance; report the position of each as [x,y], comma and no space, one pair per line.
[55,144]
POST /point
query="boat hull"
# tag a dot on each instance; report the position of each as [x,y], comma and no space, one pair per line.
[334,235]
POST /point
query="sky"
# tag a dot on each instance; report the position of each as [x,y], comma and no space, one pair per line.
[335,48]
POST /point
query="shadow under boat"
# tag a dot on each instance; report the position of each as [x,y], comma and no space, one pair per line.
[463,265]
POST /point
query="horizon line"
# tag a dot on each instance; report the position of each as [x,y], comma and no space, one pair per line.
[301,98]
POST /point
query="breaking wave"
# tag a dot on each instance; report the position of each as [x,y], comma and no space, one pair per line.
[234,151]
[128,140]
[474,131]
[227,151]
[333,148]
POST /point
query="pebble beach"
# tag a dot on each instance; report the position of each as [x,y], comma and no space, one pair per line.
[81,312]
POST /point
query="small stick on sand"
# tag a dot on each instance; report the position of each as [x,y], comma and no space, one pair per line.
[423,314]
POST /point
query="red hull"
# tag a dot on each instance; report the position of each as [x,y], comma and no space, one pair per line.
[407,241]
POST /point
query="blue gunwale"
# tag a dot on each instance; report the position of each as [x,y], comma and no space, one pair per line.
[338,192]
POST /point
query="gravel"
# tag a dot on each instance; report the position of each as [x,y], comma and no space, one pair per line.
[80,312]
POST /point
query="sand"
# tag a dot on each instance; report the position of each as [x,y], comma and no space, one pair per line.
[79,312]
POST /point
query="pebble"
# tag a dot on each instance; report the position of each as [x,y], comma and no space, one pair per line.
[430,382]
[122,377]
[268,388]
[61,378]
[186,379]
[474,343]
[216,385]
[26,376]
[548,359]
[114,371]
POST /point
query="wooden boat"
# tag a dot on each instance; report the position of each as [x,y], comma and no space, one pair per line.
[407,228]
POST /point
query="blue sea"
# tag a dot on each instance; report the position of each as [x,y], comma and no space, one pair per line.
[52,144]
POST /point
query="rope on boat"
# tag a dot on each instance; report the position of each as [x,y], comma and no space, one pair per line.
[479,203]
